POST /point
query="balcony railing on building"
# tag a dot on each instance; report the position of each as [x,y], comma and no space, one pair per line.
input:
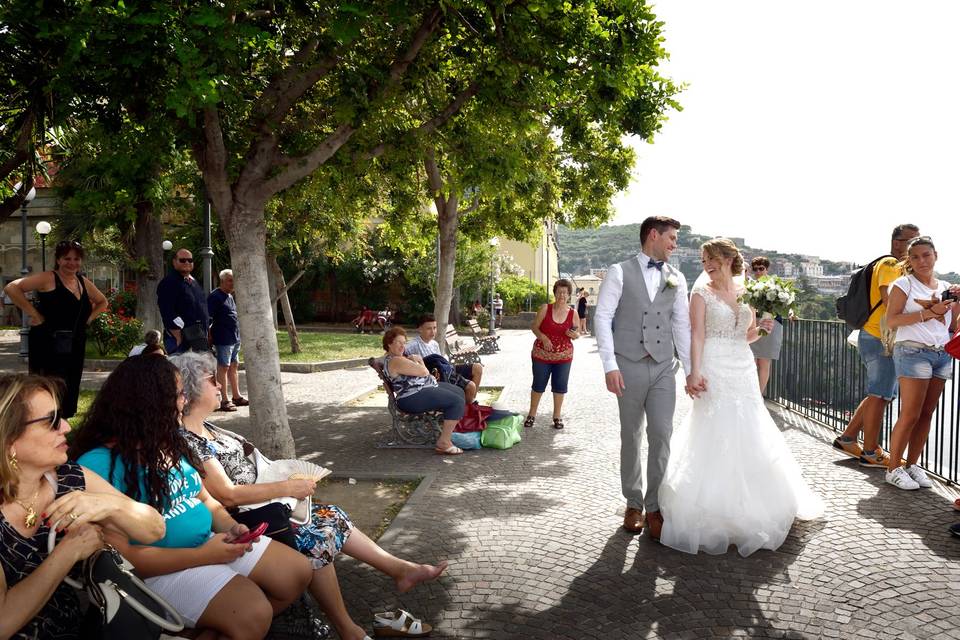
[819,375]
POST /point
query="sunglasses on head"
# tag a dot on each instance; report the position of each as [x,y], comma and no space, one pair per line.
[73,244]
[53,420]
[185,259]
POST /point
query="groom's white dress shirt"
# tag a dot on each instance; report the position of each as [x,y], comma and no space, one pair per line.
[609,297]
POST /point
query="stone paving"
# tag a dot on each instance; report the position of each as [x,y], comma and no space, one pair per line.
[535,546]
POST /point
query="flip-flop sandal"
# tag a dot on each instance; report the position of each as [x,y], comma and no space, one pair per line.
[452,450]
[558,423]
[529,422]
[399,624]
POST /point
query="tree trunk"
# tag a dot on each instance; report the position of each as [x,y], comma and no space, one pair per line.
[147,241]
[285,303]
[273,286]
[448,220]
[246,236]
[454,318]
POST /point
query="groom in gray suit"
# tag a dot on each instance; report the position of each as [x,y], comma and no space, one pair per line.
[641,318]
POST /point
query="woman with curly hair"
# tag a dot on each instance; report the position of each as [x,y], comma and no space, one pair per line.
[231,477]
[132,437]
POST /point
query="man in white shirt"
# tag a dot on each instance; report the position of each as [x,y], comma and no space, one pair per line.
[642,315]
[424,344]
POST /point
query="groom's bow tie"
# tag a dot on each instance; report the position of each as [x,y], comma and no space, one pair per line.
[655,264]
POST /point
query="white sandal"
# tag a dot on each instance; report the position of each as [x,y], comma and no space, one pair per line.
[399,624]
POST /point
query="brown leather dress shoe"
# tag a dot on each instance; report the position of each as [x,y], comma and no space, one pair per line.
[633,520]
[654,524]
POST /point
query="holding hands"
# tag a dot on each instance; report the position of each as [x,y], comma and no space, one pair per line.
[696,384]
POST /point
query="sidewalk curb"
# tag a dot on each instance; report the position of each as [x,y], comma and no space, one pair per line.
[407,510]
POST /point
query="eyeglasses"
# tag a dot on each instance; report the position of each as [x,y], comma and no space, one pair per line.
[212,378]
[73,244]
[756,269]
[52,420]
[184,259]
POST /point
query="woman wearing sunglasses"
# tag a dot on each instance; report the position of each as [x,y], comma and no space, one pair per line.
[67,302]
[766,349]
[39,489]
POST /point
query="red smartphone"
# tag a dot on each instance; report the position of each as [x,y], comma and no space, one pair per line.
[251,535]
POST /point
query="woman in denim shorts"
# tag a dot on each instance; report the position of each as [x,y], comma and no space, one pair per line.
[924,311]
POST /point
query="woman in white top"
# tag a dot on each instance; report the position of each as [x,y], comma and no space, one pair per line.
[924,322]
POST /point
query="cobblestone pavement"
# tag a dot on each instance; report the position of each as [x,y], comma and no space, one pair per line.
[536,550]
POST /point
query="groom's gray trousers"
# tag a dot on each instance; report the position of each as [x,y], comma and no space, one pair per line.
[647,402]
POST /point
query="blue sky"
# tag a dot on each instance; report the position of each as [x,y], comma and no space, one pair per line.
[809,127]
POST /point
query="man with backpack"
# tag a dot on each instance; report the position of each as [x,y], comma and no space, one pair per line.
[863,307]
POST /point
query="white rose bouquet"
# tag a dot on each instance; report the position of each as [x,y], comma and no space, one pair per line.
[770,296]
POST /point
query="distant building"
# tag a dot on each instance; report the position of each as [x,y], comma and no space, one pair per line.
[45,206]
[538,261]
[811,268]
[591,283]
[833,285]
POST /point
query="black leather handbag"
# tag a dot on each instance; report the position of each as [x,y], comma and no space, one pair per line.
[195,337]
[121,605]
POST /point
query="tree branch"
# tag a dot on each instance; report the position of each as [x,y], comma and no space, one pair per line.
[297,168]
[290,85]
[212,158]
[430,125]
[302,166]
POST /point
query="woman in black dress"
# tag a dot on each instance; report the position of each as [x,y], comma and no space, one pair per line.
[582,310]
[67,302]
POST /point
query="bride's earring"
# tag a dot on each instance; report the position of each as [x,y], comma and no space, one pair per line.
[13,460]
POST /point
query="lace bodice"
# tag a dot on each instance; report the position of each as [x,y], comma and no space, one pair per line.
[721,321]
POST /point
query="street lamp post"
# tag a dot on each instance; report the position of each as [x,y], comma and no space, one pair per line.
[167,245]
[43,228]
[24,270]
[494,243]
[206,251]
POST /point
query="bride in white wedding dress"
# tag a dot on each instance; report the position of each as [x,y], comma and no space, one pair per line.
[731,478]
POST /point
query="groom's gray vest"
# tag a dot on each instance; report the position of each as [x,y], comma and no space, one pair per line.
[641,327]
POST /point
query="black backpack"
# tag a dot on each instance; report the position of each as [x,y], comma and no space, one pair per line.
[854,308]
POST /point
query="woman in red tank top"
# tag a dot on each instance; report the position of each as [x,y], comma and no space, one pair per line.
[555,328]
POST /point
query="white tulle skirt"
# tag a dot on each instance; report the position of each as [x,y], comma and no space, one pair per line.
[731,479]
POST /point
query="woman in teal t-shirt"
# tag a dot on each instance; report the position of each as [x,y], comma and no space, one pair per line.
[132,437]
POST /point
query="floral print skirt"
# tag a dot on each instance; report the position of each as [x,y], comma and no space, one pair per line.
[322,538]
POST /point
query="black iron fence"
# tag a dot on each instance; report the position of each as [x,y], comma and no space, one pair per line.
[819,375]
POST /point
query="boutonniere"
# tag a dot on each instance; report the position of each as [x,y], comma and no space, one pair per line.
[672,281]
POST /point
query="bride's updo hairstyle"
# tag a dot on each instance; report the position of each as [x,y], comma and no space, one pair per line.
[724,248]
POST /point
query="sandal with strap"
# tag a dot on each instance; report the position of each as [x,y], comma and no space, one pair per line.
[399,624]
[528,422]
[558,423]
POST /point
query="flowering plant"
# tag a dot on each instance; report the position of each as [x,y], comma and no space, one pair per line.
[770,296]
[672,281]
[116,330]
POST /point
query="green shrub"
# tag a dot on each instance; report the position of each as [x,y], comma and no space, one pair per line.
[517,290]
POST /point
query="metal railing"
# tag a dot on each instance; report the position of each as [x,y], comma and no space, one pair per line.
[820,376]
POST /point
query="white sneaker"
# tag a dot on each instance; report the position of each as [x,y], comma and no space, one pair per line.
[919,476]
[901,479]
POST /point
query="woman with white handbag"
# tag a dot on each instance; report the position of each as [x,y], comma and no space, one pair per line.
[41,491]
[234,474]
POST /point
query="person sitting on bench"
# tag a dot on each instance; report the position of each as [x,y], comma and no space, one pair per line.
[417,391]
[424,345]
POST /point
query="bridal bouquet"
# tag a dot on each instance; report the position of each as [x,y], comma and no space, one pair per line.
[770,296]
